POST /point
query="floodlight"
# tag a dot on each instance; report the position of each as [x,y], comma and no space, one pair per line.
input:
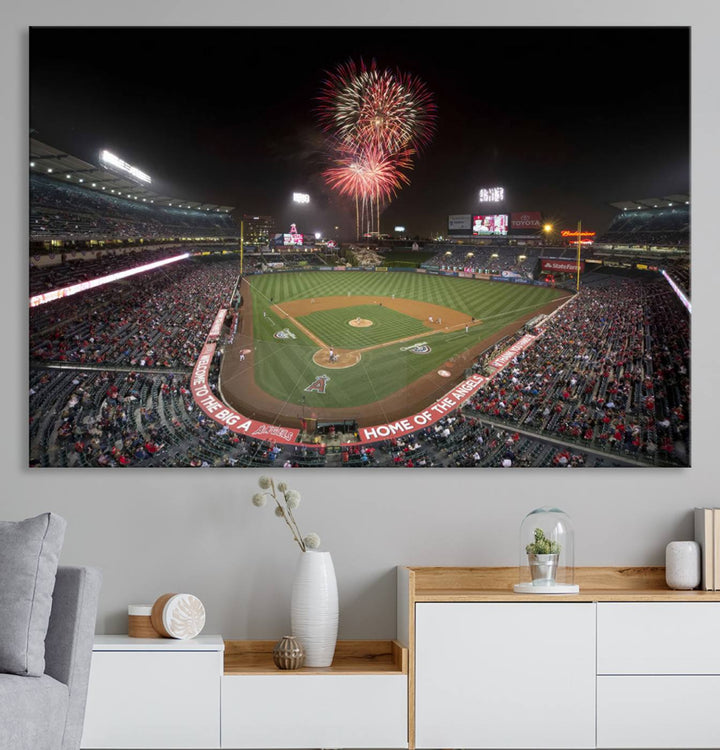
[81,180]
[399,229]
[94,185]
[49,170]
[299,198]
[318,235]
[116,163]
[68,176]
[32,163]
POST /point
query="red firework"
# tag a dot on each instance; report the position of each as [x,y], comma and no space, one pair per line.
[369,173]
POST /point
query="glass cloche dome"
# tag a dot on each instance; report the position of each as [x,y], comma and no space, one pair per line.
[546,553]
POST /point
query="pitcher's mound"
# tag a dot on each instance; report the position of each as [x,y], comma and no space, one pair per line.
[360,323]
[340,360]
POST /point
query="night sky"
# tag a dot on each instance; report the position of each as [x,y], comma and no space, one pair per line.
[566,119]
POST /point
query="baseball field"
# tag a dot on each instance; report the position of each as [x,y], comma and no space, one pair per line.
[364,345]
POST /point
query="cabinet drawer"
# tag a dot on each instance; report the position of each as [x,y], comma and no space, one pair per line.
[658,638]
[309,711]
[658,711]
[153,700]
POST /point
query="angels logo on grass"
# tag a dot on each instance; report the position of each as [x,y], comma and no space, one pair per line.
[421,348]
[286,333]
[319,385]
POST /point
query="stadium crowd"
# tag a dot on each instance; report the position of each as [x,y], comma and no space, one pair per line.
[663,227]
[610,371]
[71,212]
[159,319]
[95,264]
[484,259]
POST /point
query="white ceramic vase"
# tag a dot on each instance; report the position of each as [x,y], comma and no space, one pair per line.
[682,565]
[314,607]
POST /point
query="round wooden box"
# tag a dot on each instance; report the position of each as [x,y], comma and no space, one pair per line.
[178,616]
[140,621]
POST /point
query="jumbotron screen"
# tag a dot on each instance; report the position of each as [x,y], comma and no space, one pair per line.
[292,239]
[490,224]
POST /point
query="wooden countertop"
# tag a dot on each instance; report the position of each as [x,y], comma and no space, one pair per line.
[351,657]
[597,584]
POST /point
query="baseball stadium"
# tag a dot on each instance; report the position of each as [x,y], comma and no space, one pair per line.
[193,348]
[184,311]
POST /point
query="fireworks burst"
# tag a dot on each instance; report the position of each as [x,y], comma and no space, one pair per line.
[365,106]
[369,173]
[376,120]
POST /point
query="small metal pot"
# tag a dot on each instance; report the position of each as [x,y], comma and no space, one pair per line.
[543,568]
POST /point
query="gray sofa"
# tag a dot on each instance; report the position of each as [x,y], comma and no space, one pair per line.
[47,712]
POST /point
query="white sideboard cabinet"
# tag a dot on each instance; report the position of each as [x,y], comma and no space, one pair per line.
[208,693]
[626,663]
[154,693]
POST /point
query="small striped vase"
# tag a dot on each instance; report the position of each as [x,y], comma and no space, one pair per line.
[314,607]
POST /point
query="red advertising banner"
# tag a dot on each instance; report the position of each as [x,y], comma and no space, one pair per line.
[565,266]
[451,400]
[216,328]
[225,415]
[526,220]
[511,352]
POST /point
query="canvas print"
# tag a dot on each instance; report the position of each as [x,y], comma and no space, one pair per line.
[359,247]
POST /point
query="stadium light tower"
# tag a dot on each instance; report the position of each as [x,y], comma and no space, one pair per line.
[301,198]
[548,229]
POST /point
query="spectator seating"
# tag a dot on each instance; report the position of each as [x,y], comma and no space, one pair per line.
[660,227]
[70,212]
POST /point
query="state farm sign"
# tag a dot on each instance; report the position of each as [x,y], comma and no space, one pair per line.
[526,220]
[565,266]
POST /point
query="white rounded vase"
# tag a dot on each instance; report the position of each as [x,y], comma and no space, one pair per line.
[682,565]
[314,607]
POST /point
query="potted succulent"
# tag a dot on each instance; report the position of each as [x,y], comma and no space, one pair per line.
[543,555]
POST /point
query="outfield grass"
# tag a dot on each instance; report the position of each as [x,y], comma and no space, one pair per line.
[332,326]
[284,368]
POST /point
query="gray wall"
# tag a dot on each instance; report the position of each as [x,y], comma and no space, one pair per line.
[196,531]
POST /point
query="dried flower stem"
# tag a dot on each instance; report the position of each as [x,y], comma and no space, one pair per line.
[288,516]
[286,500]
